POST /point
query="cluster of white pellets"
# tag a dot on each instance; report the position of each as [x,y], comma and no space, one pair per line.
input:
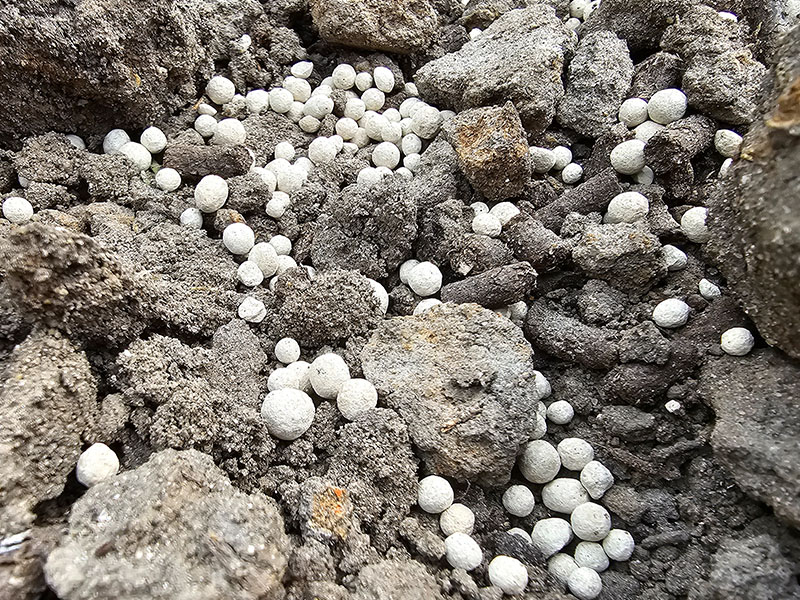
[140,154]
[544,160]
[490,222]
[579,11]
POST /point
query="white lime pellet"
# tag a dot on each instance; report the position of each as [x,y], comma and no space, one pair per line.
[265,257]
[168,179]
[249,274]
[576,8]
[392,132]
[76,141]
[542,385]
[539,461]
[551,535]
[405,106]
[563,156]
[211,193]
[737,341]
[425,121]
[592,556]
[153,139]
[462,552]
[504,211]
[95,464]
[633,112]
[368,176]
[564,495]
[645,177]
[672,406]
[192,217]
[487,224]
[238,238]
[322,151]
[344,77]
[295,112]
[205,125]
[509,574]
[572,173]
[560,566]
[693,225]
[287,350]
[543,160]
[282,244]
[647,130]
[575,453]
[373,99]
[518,500]
[347,128]
[411,162]
[671,313]
[434,494]
[590,522]
[384,79]
[354,109]
[278,204]
[521,533]
[386,154]
[425,279]
[585,583]
[318,107]
[220,90]
[666,106]
[310,124]
[363,81]
[114,140]
[285,263]
[288,413]
[299,88]
[411,144]
[17,210]
[728,143]
[596,478]
[138,155]
[327,375]
[675,258]
[393,115]
[627,207]
[560,412]
[280,100]
[206,109]
[475,33]
[618,545]
[252,310]
[355,397]
[628,157]
[425,304]
[302,69]
[457,518]
[230,132]
[284,150]
[708,290]
[381,295]
[725,168]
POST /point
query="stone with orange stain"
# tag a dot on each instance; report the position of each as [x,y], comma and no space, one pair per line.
[325,510]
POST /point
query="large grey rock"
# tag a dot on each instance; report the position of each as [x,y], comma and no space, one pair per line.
[754,215]
[520,57]
[108,63]
[47,408]
[600,75]
[173,528]
[757,433]
[461,378]
[400,26]
[396,580]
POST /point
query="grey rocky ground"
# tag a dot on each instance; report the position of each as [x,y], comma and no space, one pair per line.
[118,325]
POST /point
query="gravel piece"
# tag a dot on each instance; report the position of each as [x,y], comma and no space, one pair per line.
[497,287]
[599,76]
[533,242]
[491,149]
[519,57]
[659,71]
[193,161]
[387,578]
[468,408]
[593,195]
[478,253]
[679,142]
[173,500]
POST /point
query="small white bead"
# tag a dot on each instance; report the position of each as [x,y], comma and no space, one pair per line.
[373,99]
[518,500]
[284,150]
[392,132]
[543,159]
[282,244]
[425,279]
[327,374]
[280,100]
[192,217]
[592,556]
[564,495]
[384,79]
[435,494]
[322,151]
[265,257]
[737,341]
[278,205]
[318,107]
[205,125]
[411,162]
[576,8]
[285,263]
[560,412]
[462,552]
[425,121]
[425,304]
[563,157]
[368,176]
[596,478]
[220,89]
[573,23]
[539,461]
[675,257]
[363,81]
[457,518]
[153,139]
[590,522]
[585,583]
[633,112]
[354,109]
[303,69]
[551,535]
[708,290]
[114,140]
[393,115]
[300,89]
[728,143]
[211,193]
[238,238]
[347,128]
[508,574]
[252,310]
[287,350]
[344,77]
[504,211]
[645,177]
[575,453]
[475,33]
[521,533]
[725,168]
[693,225]
[561,566]
[355,397]
[672,406]
[138,155]
[479,208]
[405,106]
[728,16]
[628,157]
[667,106]
[386,154]
[288,413]
[411,144]
[410,88]
[646,130]
[168,179]
[76,141]
[206,109]
[627,207]
[249,274]
[310,124]
[572,173]
[295,112]
[671,313]
[487,224]
[17,210]
[618,545]
[230,132]
[95,464]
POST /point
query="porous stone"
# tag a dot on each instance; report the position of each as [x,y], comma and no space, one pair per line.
[463,402]
[497,287]
[193,161]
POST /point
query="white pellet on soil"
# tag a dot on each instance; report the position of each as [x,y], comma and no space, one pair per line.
[76,141]
[737,341]
[114,140]
[249,274]
[17,210]
[434,494]
[425,304]
[551,535]
[708,290]
[153,139]
[344,76]
[487,224]
[693,225]
[585,583]
[220,90]
[563,156]
[575,453]
[328,373]
[302,69]
[457,518]
[192,217]
[633,112]
[355,397]
[572,173]
[381,295]
[287,350]
[386,154]
[211,193]
[646,130]
[205,125]
[252,310]
[627,207]
[265,257]
[543,160]
[645,177]
[95,464]
[560,412]
[539,461]
[671,313]
[425,279]
[238,238]
[288,413]
[666,106]
[596,478]
[462,552]
[564,495]
[675,258]
[518,500]
[628,157]
[509,574]
[168,179]
[281,244]
[590,522]
[618,545]
[137,155]
[384,79]
[229,132]
[592,556]
[728,143]
[672,406]
[504,211]
[561,565]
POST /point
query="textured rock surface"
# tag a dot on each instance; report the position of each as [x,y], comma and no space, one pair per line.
[757,422]
[173,528]
[519,57]
[600,75]
[47,407]
[396,580]
[491,148]
[460,377]
[400,26]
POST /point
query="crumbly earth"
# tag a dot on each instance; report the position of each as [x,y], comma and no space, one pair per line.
[118,325]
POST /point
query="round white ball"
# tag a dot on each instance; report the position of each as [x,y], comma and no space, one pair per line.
[518,500]
[671,313]
[728,143]
[666,106]
[596,478]
[462,552]
[114,140]
[633,112]
[560,412]
[425,304]
[434,494]
[287,350]
[252,310]
[211,193]
[355,397]
[192,217]
[344,76]
[425,279]
[457,518]
[384,79]
[572,173]
[543,160]
[328,373]
[646,130]
[561,565]
[708,290]
[564,495]
[693,225]
[590,522]
[509,574]
[288,413]
[280,100]
[584,583]
[575,453]
[627,207]
[238,238]
[628,157]
[563,156]
[281,243]
[487,224]
[675,258]
[230,132]
[618,545]
[302,69]
[138,155]
[265,257]
[220,89]
[592,556]
[381,295]
[168,179]
[205,125]
[95,464]
[425,121]
[153,139]
[386,154]
[373,99]
[17,210]
[737,341]
[539,462]
[551,535]
[249,274]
